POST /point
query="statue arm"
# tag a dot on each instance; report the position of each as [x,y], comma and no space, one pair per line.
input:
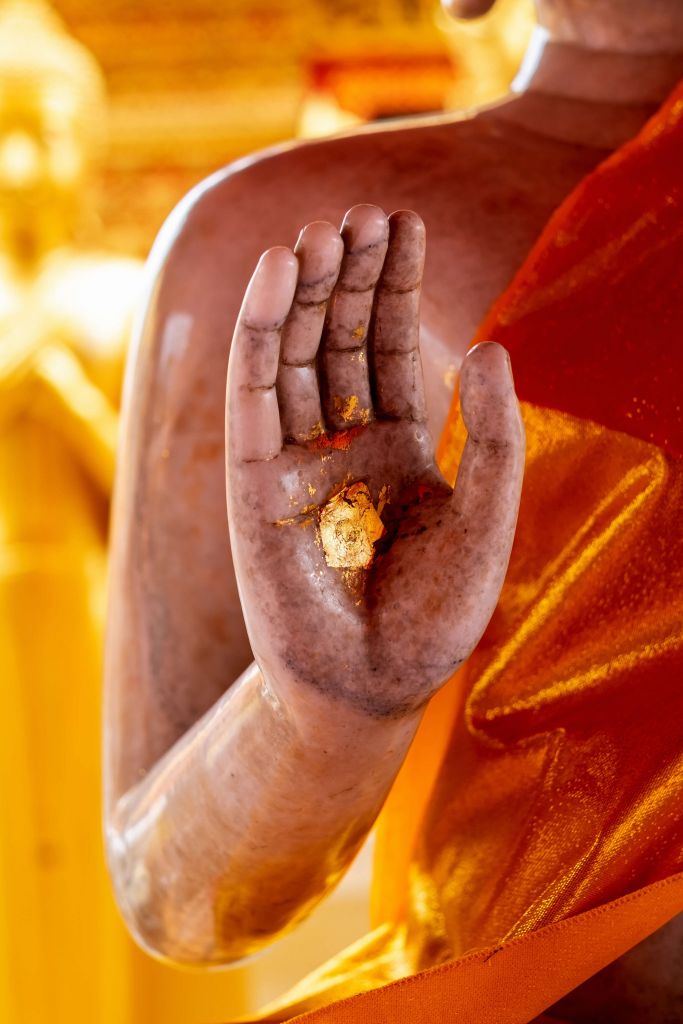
[223,834]
[248,821]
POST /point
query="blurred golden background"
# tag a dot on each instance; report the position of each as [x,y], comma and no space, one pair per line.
[194,85]
[109,114]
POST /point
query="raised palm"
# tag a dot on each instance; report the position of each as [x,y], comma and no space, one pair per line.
[361,571]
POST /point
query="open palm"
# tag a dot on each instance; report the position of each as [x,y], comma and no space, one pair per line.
[361,571]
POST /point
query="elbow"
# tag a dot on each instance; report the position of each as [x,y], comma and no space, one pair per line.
[140,902]
[166,921]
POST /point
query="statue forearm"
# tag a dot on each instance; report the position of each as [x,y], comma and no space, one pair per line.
[249,820]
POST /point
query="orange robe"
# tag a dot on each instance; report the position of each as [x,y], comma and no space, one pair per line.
[535,832]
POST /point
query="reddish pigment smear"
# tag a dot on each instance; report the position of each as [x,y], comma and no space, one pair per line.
[424,492]
[340,441]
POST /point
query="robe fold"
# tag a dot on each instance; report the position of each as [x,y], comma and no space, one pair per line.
[535,832]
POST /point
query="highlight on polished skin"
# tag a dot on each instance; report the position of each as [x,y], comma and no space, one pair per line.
[396,552]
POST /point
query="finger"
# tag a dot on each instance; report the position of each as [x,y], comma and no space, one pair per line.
[319,251]
[395,353]
[346,384]
[489,482]
[252,417]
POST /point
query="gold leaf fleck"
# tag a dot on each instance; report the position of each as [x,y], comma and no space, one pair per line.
[349,527]
[345,406]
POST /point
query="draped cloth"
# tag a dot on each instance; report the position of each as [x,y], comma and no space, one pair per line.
[535,832]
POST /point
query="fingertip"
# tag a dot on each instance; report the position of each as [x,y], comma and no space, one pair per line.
[488,349]
[487,394]
[404,264]
[489,361]
[364,225]
[319,247]
[318,234]
[408,221]
[271,290]
[278,259]
[408,233]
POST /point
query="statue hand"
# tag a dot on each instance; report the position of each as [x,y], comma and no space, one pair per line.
[361,572]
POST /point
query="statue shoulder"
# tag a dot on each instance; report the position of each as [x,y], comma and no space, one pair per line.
[253,195]
[265,198]
[209,244]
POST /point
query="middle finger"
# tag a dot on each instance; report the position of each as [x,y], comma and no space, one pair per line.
[346,392]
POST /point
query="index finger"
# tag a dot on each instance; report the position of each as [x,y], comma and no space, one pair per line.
[253,431]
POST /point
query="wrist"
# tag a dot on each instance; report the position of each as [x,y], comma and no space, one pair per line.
[329,722]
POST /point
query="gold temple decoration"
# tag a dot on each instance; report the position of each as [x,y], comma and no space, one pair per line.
[35,49]
[52,131]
